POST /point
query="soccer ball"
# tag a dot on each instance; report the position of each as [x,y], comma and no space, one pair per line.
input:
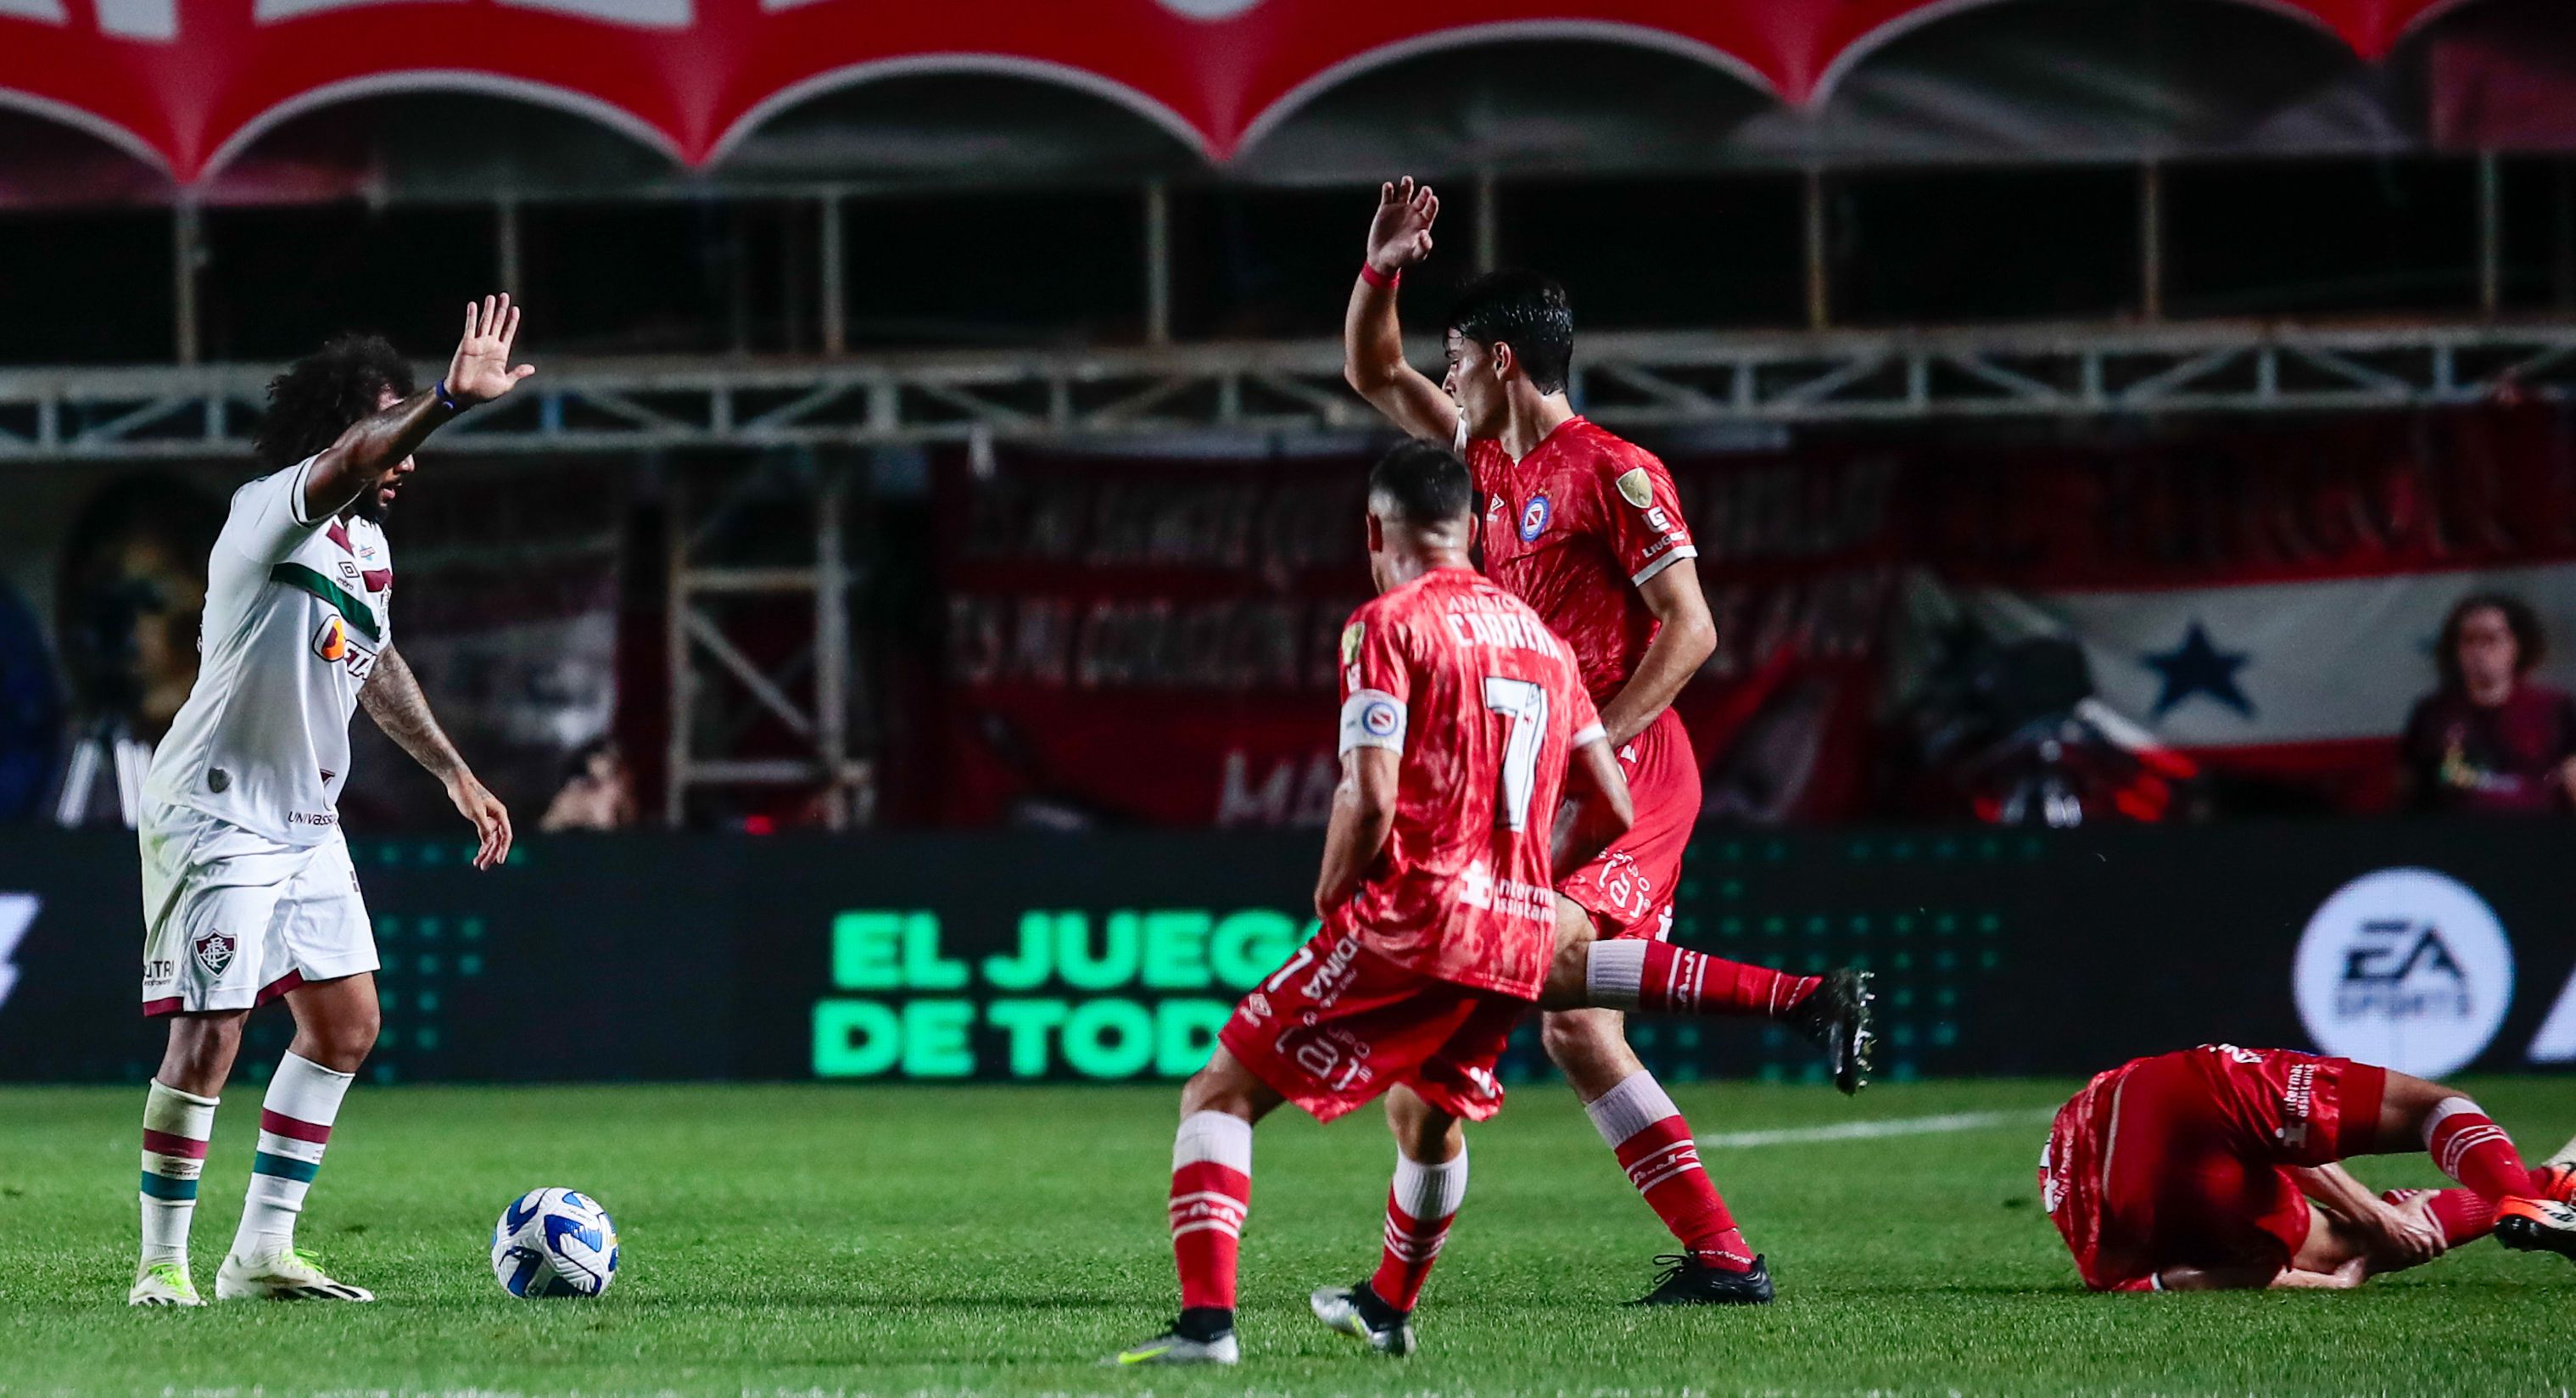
[554,1242]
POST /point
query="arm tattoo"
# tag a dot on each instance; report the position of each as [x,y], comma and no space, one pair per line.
[393,699]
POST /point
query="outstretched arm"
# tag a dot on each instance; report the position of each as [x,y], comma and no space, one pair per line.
[1373,339]
[478,373]
[393,699]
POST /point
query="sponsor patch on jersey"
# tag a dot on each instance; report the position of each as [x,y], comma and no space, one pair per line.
[1636,489]
[1534,518]
[331,643]
[214,951]
[1352,635]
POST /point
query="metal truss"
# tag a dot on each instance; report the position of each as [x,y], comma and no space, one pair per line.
[752,705]
[1622,378]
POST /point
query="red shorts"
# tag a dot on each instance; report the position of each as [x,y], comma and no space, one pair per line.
[1629,889]
[2190,1154]
[1340,1024]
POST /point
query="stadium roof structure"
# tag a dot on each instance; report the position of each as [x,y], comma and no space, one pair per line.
[229,101]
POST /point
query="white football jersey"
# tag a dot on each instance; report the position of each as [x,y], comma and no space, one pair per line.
[296,612]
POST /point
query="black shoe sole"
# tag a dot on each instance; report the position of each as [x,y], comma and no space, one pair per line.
[1851,1021]
[2523,1235]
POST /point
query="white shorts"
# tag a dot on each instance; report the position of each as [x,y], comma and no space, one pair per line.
[232,919]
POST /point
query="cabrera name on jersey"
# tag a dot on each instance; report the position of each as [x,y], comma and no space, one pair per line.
[297,611]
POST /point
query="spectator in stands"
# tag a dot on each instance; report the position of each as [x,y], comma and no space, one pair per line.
[2490,741]
[598,792]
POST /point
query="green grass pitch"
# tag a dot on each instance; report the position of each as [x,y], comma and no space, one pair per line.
[816,1241]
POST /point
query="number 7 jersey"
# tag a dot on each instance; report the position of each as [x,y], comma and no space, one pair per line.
[1485,706]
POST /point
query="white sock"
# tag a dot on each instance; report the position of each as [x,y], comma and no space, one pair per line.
[176,1126]
[1614,975]
[294,1124]
[1430,1192]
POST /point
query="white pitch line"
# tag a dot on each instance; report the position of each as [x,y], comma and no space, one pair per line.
[1875,1130]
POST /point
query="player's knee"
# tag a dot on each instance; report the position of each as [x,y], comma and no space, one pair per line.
[1221,1086]
[344,1042]
[1578,1040]
[200,1053]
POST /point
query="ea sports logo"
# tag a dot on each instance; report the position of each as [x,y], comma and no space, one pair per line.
[1533,518]
[2406,968]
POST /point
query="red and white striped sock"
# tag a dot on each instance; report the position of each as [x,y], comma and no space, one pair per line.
[2462,1216]
[1635,974]
[176,1126]
[294,1125]
[1211,1192]
[1419,1208]
[2469,1147]
[1655,1147]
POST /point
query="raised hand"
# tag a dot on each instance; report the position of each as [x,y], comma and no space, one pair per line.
[1400,235]
[481,370]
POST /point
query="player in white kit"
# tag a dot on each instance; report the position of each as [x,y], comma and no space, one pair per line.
[248,892]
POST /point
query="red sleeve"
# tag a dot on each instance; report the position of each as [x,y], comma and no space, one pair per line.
[1377,683]
[1642,515]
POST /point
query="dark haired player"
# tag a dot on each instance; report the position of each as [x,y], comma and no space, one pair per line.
[1586,528]
[2216,1169]
[248,891]
[1463,720]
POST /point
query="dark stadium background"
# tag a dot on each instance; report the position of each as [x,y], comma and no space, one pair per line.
[942,496]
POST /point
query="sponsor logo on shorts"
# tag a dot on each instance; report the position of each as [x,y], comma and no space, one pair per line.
[312,817]
[1534,518]
[214,951]
[1335,973]
[2298,1105]
[2408,968]
[1256,1007]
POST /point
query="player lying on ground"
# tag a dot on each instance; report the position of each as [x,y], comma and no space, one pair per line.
[2215,1168]
[248,892]
[1588,530]
[1463,721]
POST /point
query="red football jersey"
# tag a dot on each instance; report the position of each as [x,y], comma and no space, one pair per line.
[1486,706]
[1574,529]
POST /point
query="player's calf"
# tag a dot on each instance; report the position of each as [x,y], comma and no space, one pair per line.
[1832,1010]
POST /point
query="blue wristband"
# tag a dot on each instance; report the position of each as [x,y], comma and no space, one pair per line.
[446,400]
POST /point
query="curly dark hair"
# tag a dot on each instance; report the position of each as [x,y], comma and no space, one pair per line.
[320,395]
[2530,646]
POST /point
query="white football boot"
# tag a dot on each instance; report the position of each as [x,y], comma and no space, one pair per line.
[1172,1347]
[163,1284]
[1340,1310]
[293,1275]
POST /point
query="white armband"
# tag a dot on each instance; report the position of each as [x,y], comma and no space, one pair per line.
[1372,718]
[1647,574]
[1593,734]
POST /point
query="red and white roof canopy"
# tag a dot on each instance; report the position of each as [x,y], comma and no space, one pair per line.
[189,84]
